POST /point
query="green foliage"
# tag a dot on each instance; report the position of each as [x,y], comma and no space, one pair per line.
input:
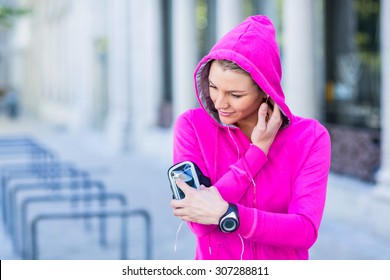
[8,14]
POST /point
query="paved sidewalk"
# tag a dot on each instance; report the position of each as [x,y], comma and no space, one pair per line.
[355,223]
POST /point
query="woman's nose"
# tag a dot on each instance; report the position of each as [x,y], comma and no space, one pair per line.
[221,102]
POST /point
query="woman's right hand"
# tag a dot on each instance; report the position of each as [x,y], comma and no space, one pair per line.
[268,125]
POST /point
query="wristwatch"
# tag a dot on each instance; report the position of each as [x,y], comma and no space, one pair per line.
[229,221]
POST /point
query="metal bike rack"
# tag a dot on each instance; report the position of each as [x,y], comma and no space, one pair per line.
[103,196]
[16,140]
[44,172]
[90,214]
[12,148]
[32,175]
[84,184]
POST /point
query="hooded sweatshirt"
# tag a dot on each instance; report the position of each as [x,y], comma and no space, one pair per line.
[280,196]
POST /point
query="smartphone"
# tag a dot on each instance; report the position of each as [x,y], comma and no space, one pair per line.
[190,174]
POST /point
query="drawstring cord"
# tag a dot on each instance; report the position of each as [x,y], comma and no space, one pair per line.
[210,252]
[177,236]
[235,143]
[242,246]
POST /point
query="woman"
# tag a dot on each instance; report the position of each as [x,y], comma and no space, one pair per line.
[268,167]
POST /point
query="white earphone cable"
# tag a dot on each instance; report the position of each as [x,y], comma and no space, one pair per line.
[177,236]
[235,143]
[242,247]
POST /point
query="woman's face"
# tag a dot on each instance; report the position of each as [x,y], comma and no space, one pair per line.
[235,96]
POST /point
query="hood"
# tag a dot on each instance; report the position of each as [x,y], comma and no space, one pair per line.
[252,45]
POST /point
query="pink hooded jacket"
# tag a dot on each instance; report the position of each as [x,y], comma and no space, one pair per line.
[280,197]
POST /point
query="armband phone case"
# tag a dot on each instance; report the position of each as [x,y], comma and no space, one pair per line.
[190,174]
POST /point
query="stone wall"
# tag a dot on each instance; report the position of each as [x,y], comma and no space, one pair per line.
[355,151]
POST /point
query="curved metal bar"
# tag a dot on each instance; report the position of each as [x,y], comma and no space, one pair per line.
[87,197]
[73,185]
[122,213]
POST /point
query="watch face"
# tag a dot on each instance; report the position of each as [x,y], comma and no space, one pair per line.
[229,224]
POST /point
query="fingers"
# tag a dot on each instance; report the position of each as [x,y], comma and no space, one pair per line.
[263,115]
[179,212]
[179,204]
[269,118]
[176,203]
[268,124]
[183,186]
[275,120]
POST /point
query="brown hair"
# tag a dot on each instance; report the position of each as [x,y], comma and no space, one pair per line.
[230,65]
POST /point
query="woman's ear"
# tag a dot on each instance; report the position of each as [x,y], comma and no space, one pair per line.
[269,101]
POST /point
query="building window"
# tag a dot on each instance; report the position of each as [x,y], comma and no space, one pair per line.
[352,63]
[353,86]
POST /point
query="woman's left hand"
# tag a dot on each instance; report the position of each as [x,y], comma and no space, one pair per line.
[203,206]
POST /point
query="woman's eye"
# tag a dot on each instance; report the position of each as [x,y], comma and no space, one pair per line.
[235,95]
[212,86]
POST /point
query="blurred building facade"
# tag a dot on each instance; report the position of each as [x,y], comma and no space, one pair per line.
[125,68]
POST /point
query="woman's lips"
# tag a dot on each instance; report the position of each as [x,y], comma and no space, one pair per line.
[224,114]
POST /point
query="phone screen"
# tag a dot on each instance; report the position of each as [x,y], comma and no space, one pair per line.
[185,173]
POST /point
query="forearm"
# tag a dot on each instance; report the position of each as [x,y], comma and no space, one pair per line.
[276,229]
